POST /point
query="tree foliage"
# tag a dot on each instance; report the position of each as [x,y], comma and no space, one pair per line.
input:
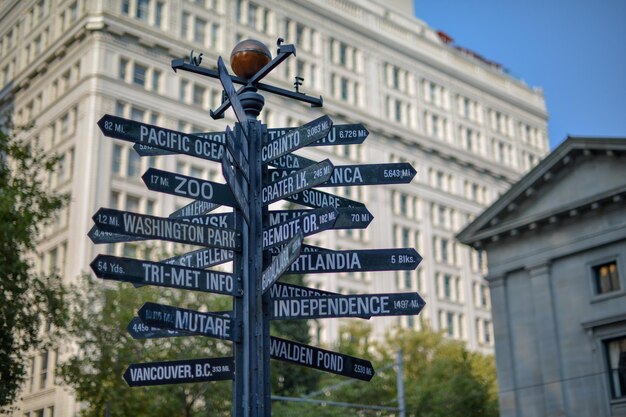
[441,378]
[100,314]
[28,298]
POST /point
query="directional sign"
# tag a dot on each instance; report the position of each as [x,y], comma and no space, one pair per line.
[305,248]
[238,191]
[352,134]
[152,227]
[145,150]
[292,161]
[178,142]
[356,261]
[179,372]
[202,258]
[296,139]
[98,236]
[284,290]
[281,262]
[195,208]
[235,151]
[319,199]
[173,318]
[347,306]
[363,174]
[189,187]
[296,182]
[137,329]
[231,93]
[322,359]
[164,275]
[311,223]
[348,218]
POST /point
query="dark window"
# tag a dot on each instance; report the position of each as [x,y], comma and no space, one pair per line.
[606,277]
[616,354]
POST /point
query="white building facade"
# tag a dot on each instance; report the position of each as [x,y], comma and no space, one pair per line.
[469,130]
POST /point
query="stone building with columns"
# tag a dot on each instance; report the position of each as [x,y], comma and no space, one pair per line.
[557,252]
[470,129]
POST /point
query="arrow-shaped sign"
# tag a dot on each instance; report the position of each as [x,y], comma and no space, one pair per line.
[231,93]
[188,187]
[202,258]
[346,306]
[195,208]
[296,182]
[238,191]
[318,199]
[350,134]
[159,137]
[179,372]
[152,227]
[190,321]
[281,262]
[311,223]
[296,139]
[322,359]
[356,261]
[98,236]
[292,161]
[236,152]
[145,150]
[363,174]
[164,275]
[348,218]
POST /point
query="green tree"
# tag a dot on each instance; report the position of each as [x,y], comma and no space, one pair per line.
[441,378]
[28,298]
[100,314]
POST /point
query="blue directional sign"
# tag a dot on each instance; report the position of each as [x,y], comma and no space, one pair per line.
[362,174]
[313,222]
[281,262]
[296,182]
[179,372]
[202,258]
[296,139]
[159,137]
[347,306]
[165,275]
[153,227]
[356,261]
[195,208]
[190,321]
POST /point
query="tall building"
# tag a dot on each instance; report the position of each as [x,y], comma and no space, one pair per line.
[557,246]
[468,128]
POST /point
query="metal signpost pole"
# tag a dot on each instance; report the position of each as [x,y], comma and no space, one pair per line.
[251,236]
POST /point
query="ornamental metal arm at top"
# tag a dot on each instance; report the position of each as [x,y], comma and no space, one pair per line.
[284,51]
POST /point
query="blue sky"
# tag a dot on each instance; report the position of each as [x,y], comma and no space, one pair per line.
[575,50]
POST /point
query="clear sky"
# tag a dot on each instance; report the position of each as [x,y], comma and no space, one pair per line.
[574,49]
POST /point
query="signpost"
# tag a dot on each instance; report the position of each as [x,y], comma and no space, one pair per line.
[260,168]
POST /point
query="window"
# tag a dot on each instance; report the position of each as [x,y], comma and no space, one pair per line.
[616,355]
[198,31]
[139,75]
[44,371]
[158,14]
[134,164]
[606,277]
[142,10]
[123,69]
[116,163]
[156,81]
